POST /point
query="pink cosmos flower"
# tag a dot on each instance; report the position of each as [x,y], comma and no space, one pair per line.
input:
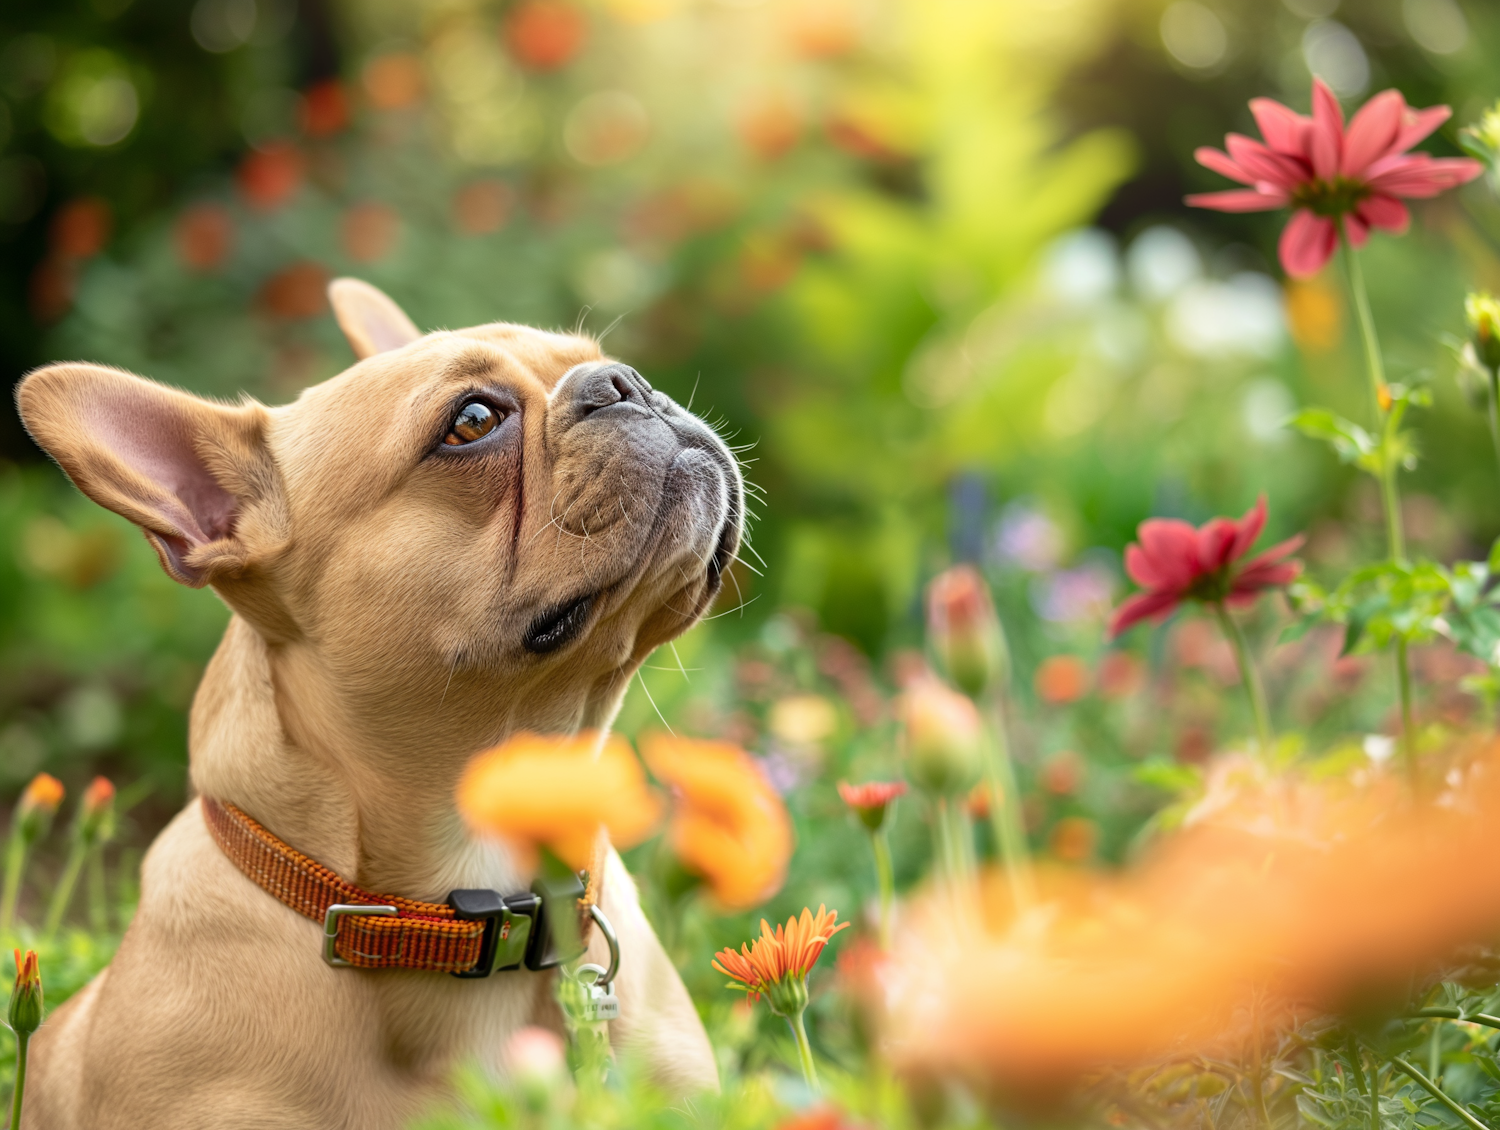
[1175,562]
[1332,176]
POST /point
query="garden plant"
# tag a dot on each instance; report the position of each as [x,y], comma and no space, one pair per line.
[1101,723]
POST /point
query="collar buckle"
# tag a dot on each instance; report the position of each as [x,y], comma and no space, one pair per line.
[509,926]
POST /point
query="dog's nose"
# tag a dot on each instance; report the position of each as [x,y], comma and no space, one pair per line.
[610,385]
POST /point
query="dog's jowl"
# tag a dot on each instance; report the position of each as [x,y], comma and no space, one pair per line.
[465,535]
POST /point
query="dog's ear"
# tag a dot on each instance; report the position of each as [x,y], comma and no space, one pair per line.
[370,319]
[196,476]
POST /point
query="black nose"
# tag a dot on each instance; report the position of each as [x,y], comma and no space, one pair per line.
[611,385]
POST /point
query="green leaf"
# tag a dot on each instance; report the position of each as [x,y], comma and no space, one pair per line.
[1494,558]
[1350,441]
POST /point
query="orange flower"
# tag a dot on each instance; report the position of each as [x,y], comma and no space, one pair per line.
[870,800]
[1061,679]
[728,825]
[777,964]
[1278,903]
[558,792]
[43,794]
[25,1012]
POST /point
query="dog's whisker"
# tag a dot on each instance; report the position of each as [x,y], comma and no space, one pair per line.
[673,645]
[652,701]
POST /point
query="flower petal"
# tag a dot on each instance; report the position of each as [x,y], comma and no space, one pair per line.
[1240,200]
[1372,131]
[1307,242]
[1248,528]
[1418,176]
[1258,576]
[1356,231]
[1418,124]
[1216,539]
[1167,557]
[1326,143]
[1142,606]
[1221,163]
[1267,569]
[1386,213]
[1263,164]
[1284,129]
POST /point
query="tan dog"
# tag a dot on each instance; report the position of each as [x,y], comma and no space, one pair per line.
[463,536]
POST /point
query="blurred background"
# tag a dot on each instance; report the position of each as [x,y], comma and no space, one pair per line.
[926,258]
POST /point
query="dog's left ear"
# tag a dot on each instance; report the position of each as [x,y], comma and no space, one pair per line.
[371,321]
[196,476]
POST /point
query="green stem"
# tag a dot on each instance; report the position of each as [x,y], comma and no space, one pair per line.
[1371,1089]
[1437,1092]
[63,893]
[1408,726]
[1378,390]
[98,892]
[1248,676]
[885,879]
[1494,410]
[804,1049]
[1435,1053]
[1454,1014]
[22,1039]
[1390,499]
[15,864]
[1006,818]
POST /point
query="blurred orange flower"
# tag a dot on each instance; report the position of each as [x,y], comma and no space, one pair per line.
[1121,674]
[557,792]
[393,81]
[1061,679]
[369,230]
[81,227]
[1282,897]
[545,34]
[43,794]
[204,236]
[728,824]
[270,175]
[298,291]
[324,109]
[482,206]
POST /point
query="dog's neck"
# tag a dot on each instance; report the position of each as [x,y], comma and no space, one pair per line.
[366,791]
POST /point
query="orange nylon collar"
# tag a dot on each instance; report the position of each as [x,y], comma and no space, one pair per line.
[419,935]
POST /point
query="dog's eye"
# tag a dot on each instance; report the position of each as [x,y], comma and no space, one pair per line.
[475,420]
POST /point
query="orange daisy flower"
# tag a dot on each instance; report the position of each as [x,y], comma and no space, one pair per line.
[777,964]
[728,825]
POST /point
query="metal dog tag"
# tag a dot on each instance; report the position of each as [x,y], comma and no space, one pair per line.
[602,1004]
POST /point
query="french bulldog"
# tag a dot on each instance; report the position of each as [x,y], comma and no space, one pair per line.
[463,536]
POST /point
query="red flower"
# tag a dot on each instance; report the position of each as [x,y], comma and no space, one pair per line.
[871,799]
[1174,562]
[1334,177]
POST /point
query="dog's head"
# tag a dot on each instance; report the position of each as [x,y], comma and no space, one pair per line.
[464,533]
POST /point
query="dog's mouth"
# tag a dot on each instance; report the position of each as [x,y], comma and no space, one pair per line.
[559,626]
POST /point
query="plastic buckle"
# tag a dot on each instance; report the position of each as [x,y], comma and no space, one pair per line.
[331,928]
[510,923]
[554,891]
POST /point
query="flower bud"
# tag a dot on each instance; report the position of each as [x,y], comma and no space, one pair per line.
[1483,312]
[964,630]
[943,739]
[871,801]
[25,1014]
[96,813]
[37,806]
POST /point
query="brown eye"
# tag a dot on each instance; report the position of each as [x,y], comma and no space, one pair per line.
[475,420]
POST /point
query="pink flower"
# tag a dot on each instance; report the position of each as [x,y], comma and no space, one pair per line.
[1175,562]
[1333,176]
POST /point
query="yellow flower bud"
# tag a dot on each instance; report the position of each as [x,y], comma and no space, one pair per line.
[943,739]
